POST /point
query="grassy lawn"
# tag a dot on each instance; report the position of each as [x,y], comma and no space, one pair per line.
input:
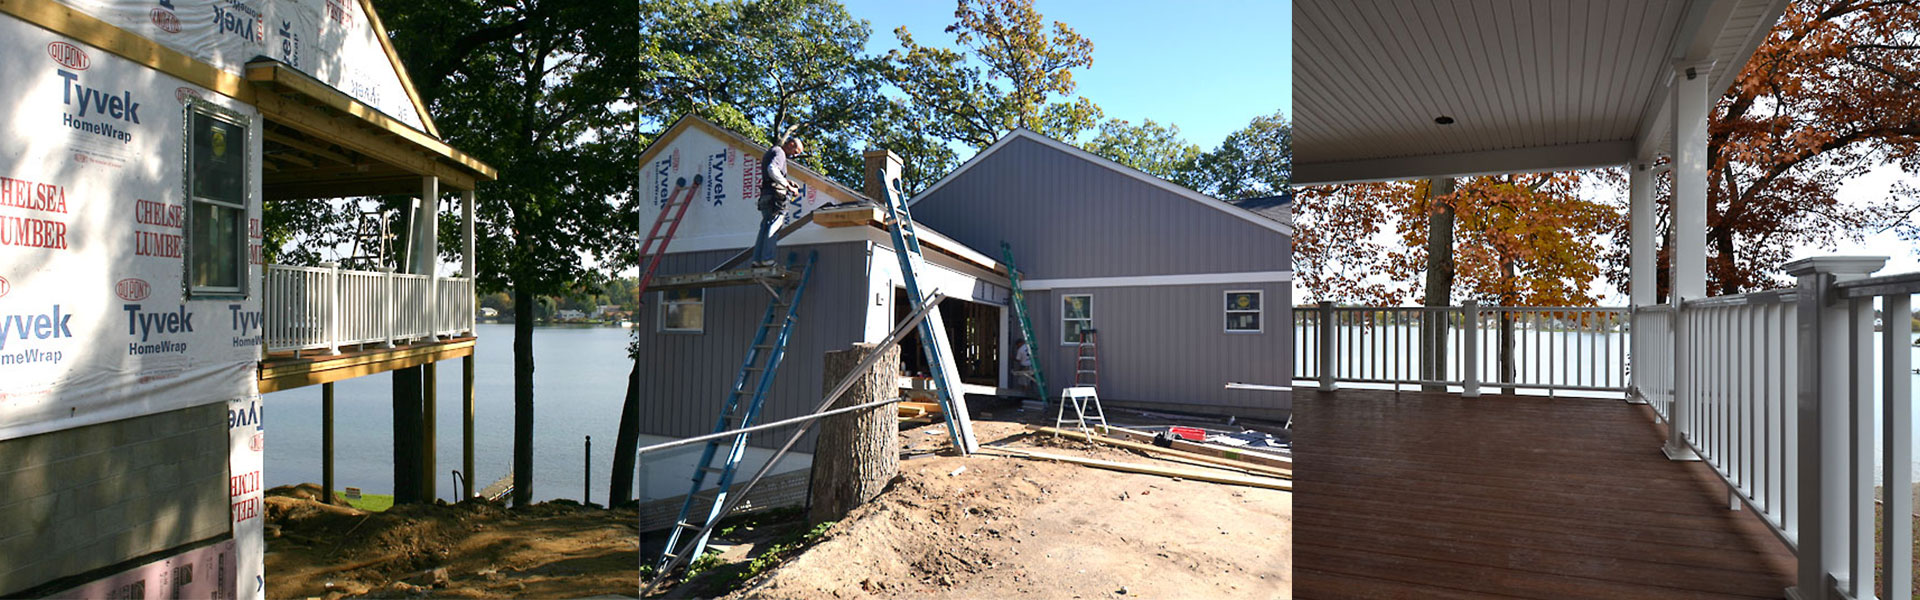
[371,502]
[1879,558]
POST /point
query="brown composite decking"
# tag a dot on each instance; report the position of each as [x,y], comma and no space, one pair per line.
[1429,495]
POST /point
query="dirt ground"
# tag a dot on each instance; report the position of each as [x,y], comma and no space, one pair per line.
[553,550]
[1001,528]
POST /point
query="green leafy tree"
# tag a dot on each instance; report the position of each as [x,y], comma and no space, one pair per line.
[1010,70]
[1149,147]
[542,90]
[1255,161]
[765,68]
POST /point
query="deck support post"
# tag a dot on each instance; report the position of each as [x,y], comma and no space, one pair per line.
[466,424]
[429,428]
[1470,364]
[326,442]
[1835,373]
[1325,347]
[1678,417]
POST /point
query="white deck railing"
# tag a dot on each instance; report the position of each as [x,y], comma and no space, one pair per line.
[1550,349]
[1775,391]
[312,308]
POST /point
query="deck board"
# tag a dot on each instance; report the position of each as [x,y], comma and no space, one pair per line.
[1428,495]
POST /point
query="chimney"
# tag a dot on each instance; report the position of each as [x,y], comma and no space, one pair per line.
[882,166]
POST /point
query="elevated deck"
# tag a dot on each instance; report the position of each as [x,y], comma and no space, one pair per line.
[1428,495]
[288,370]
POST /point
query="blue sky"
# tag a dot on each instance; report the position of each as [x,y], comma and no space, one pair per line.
[1209,66]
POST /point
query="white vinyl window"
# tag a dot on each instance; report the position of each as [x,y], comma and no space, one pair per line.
[1243,311]
[1076,315]
[216,178]
[683,311]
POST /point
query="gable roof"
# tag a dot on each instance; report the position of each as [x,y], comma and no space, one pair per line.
[406,81]
[690,120]
[1243,214]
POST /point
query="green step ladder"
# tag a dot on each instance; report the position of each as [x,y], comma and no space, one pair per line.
[755,377]
[1026,324]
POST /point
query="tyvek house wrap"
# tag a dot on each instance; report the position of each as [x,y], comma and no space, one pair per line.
[332,40]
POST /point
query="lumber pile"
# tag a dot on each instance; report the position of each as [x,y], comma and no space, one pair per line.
[1241,454]
[1194,474]
[1205,459]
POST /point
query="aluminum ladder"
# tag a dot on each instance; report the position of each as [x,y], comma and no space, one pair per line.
[1026,323]
[655,247]
[755,378]
[1086,360]
[933,330]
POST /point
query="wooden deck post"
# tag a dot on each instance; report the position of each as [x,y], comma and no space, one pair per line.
[466,423]
[326,442]
[429,429]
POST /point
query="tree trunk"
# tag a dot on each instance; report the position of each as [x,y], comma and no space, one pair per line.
[627,443]
[1433,352]
[857,453]
[524,308]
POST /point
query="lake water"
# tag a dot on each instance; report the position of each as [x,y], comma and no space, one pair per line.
[579,378]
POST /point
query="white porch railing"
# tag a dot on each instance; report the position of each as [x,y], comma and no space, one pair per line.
[1550,349]
[310,308]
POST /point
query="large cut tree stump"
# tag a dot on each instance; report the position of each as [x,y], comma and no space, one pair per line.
[857,453]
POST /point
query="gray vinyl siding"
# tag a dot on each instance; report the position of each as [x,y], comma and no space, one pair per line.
[1167,346]
[685,376]
[1069,217]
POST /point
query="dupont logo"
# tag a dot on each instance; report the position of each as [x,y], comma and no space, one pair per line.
[182,94]
[257,442]
[165,20]
[132,290]
[5,287]
[69,56]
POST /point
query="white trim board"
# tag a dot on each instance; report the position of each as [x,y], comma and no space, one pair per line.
[1159,280]
[1075,151]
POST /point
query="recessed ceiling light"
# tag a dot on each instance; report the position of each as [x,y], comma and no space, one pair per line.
[1443,120]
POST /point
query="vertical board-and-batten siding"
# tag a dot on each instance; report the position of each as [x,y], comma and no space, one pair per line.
[685,376]
[1067,217]
[1168,346]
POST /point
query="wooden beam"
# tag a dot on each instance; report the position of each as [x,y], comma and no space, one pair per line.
[352,135]
[290,141]
[273,73]
[277,374]
[1152,449]
[289,157]
[1212,477]
[346,189]
[1252,456]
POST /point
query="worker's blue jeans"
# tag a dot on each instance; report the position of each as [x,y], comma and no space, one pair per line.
[763,244]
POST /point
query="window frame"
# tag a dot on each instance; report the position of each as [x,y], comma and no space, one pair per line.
[1064,319]
[1259,314]
[196,107]
[660,321]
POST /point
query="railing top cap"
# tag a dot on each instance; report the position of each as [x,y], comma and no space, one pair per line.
[1838,265]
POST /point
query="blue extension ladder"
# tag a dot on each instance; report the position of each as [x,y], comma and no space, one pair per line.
[775,326]
[933,330]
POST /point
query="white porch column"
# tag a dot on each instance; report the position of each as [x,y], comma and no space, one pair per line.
[1642,255]
[426,228]
[1692,100]
[467,267]
[1641,259]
